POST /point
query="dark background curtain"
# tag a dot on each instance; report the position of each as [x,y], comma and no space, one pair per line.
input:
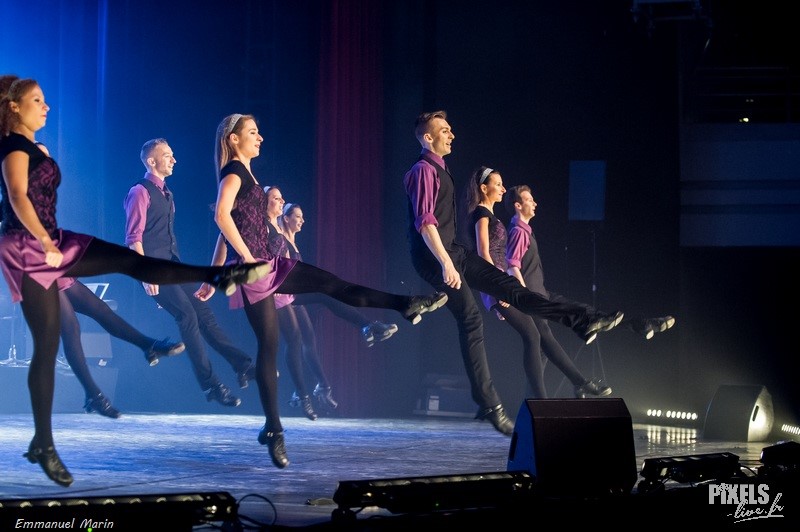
[349,186]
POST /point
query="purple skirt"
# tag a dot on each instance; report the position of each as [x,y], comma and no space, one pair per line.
[255,292]
[65,283]
[282,300]
[22,253]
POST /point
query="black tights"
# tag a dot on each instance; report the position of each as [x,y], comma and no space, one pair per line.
[103,257]
[263,319]
[537,338]
[302,279]
[79,298]
[337,308]
[305,278]
[301,347]
[85,302]
[41,310]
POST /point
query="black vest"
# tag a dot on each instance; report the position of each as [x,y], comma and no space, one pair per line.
[158,239]
[444,211]
[531,268]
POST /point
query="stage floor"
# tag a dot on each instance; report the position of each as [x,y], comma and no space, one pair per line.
[152,454]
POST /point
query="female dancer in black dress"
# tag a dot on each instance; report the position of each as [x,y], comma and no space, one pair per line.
[296,323]
[505,250]
[241,214]
[35,252]
[293,322]
[291,223]
[484,190]
[372,331]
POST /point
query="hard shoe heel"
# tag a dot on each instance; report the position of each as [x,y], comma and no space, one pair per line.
[100,404]
[276,445]
[308,408]
[162,348]
[324,396]
[294,400]
[496,415]
[419,305]
[232,276]
[50,463]
[592,387]
[222,394]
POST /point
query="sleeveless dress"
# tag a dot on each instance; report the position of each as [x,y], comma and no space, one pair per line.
[497,245]
[278,242]
[20,252]
[249,213]
[282,300]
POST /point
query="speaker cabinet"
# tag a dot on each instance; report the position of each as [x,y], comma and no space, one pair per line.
[575,447]
[739,413]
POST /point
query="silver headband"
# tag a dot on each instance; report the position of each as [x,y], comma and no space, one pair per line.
[485,174]
[231,123]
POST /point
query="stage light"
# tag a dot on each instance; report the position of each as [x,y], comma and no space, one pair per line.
[792,430]
[690,468]
[181,511]
[667,416]
[433,493]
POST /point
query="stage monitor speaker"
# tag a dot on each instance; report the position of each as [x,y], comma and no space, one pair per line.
[587,190]
[575,447]
[739,413]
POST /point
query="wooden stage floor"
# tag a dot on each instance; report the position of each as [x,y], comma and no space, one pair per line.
[149,455]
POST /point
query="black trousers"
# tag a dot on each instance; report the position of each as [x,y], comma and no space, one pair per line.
[196,322]
[477,273]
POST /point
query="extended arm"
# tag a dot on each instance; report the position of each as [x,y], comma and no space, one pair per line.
[205,291]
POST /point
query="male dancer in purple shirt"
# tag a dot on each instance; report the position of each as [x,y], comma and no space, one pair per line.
[525,263]
[451,268]
[150,230]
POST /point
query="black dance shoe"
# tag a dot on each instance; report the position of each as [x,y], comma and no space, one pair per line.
[162,348]
[100,404]
[421,304]
[305,403]
[276,445]
[50,463]
[377,332]
[325,397]
[594,387]
[246,375]
[498,418]
[649,327]
[232,276]
[601,322]
[222,394]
